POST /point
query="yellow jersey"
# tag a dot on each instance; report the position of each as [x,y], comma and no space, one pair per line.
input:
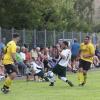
[10,48]
[87,49]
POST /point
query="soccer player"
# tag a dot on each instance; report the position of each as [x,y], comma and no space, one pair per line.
[60,68]
[86,55]
[8,61]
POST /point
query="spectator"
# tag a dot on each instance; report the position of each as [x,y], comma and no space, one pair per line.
[19,59]
[27,55]
[94,39]
[34,53]
[38,70]
[55,52]
[29,73]
[22,53]
[96,62]
[46,57]
[2,45]
[75,51]
[2,75]
[38,49]
[58,47]
[97,52]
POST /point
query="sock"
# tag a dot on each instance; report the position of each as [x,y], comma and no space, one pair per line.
[63,79]
[85,77]
[7,82]
[52,80]
[80,77]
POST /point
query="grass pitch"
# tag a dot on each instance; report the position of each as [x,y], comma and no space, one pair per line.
[22,90]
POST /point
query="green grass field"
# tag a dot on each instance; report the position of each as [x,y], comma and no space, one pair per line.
[22,90]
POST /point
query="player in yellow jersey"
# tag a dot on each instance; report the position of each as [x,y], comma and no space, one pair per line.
[87,52]
[8,61]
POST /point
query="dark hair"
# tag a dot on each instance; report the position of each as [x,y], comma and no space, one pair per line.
[15,35]
[75,40]
[66,43]
[87,37]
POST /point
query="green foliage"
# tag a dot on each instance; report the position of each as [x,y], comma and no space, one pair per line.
[97,28]
[43,14]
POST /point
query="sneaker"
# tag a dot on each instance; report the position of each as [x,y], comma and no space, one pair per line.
[70,83]
[51,84]
[82,84]
[5,91]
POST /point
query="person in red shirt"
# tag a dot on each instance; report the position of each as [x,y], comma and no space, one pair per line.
[27,54]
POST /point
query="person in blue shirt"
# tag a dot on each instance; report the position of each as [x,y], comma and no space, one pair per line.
[75,51]
[2,45]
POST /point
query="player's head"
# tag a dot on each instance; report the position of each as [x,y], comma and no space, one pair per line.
[87,40]
[64,44]
[16,37]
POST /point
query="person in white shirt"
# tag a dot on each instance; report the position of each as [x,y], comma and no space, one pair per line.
[38,70]
[60,68]
[34,53]
[22,53]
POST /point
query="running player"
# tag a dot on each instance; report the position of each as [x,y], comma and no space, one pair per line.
[8,61]
[86,55]
[60,68]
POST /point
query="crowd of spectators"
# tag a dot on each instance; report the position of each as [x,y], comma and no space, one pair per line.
[41,60]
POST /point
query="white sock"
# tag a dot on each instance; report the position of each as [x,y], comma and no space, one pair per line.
[52,79]
[63,79]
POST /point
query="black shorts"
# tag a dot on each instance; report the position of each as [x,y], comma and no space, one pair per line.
[40,74]
[84,64]
[73,58]
[59,70]
[10,68]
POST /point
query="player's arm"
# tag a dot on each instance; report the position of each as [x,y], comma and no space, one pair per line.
[65,56]
[62,55]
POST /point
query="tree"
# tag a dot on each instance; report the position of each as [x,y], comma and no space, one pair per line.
[70,15]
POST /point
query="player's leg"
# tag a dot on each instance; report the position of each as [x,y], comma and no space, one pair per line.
[10,77]
[80,72]
[85,76]
[62,75]
[67,81]
[85,70]
[80,76]
[51,77]
[52,73]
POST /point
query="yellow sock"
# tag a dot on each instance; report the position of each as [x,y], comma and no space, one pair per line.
[80,77]
[85,77]
[8,82]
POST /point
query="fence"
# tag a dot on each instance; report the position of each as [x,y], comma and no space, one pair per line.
[40,38]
